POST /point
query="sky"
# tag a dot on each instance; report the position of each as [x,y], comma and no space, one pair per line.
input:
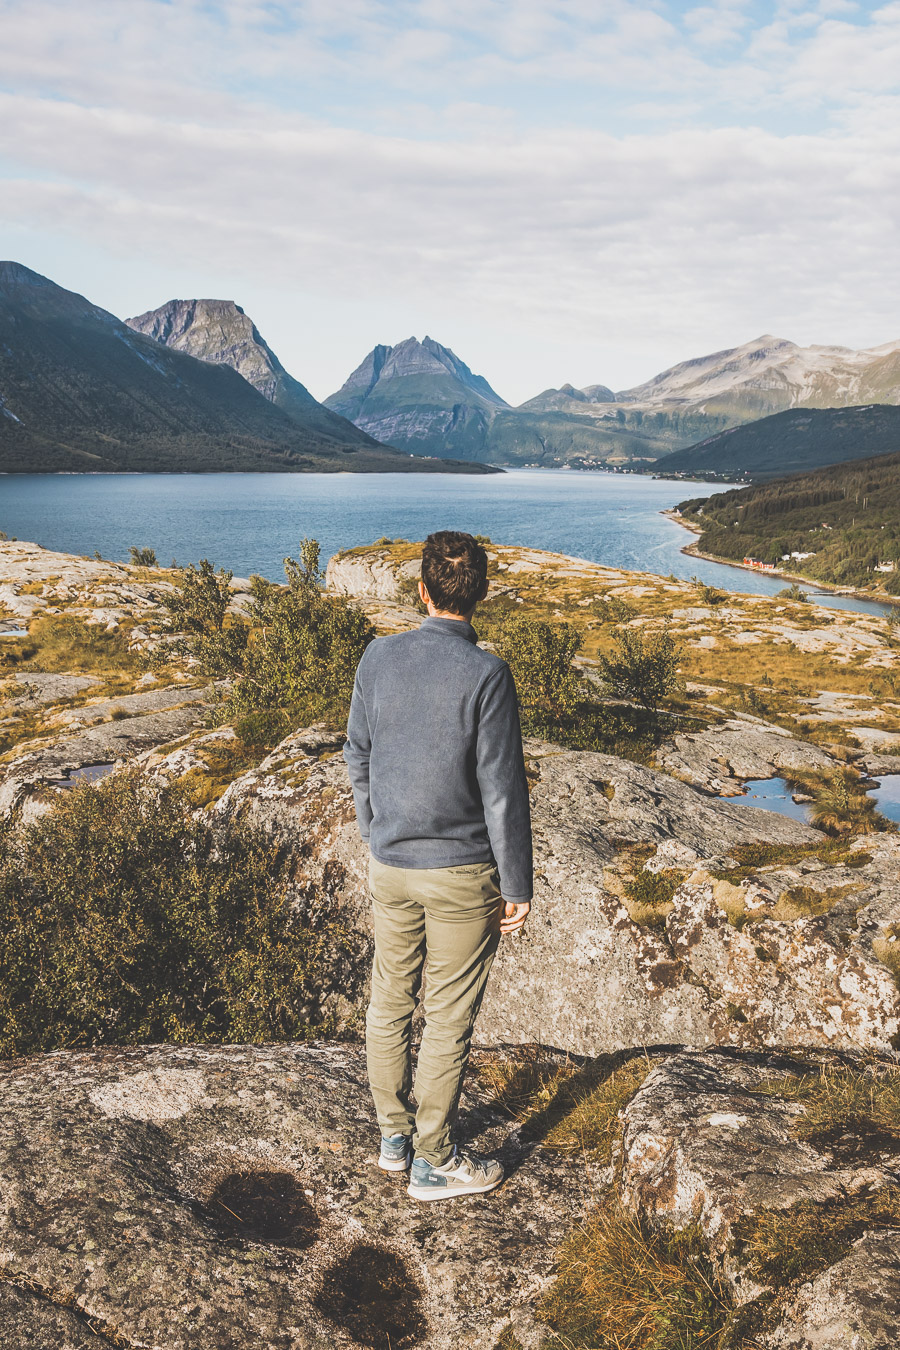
[560,190]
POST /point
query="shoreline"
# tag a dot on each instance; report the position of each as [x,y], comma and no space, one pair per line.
[693,551]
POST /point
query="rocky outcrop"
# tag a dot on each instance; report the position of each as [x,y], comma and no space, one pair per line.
[722,758]
[229,1197]
[96,736]
[369,576]
[789,956]
[717,1140]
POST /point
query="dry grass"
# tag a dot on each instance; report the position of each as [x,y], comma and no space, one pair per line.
[887,949]
[569,1108]
[623,1286]
[60,644]
[779,1247]
[804,902]
[860,1098]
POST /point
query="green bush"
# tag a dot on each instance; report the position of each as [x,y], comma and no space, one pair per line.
[294,660]
[644,668]
[123,919]
[142,557]
[793,592]
[540,656]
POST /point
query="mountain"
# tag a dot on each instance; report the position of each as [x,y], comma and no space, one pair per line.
[219,331]
[420,396]
[81,391]
[790,441]
[770,375]
[843,520]
[693,400]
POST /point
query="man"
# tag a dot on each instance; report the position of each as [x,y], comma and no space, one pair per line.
[434,751]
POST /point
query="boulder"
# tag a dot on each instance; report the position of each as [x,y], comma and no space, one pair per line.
[369,576]
[708,1141]
[229,1197]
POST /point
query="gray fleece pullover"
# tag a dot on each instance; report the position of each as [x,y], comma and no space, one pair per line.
[435,756]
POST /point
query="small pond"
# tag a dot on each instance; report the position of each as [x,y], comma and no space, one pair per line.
[773,794]
[8,629]
[88,773]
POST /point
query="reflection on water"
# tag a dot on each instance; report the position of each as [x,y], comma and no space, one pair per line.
[88,773]
[773,794]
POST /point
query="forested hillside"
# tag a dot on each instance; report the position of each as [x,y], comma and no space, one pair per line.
[791,442]
[846,517]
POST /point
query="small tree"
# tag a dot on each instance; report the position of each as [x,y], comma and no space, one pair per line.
[540,656]
[198,607]
[644,668]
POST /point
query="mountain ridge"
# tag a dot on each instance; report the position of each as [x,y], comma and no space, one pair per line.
[83,392]
[792,441]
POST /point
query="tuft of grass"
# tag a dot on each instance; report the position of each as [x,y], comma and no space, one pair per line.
[649,895]
[847,1099]
[568,1108]
[624,1286]
[779,1247]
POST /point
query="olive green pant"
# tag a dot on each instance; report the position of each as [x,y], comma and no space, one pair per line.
[445,921]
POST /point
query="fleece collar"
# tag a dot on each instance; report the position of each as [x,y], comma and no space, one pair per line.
[457,628]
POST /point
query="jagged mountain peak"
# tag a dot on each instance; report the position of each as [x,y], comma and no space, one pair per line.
[411,359]
[222,333]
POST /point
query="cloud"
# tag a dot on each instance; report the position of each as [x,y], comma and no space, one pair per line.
[624,184]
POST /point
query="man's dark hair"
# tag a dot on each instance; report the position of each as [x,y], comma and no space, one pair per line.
[454,570]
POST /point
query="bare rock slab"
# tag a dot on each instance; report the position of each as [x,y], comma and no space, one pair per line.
[228,1197]
[583,975]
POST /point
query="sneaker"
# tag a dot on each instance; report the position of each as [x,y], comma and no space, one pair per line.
[463,1174]
[396,1153]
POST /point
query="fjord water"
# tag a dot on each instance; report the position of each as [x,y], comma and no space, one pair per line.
[249,522]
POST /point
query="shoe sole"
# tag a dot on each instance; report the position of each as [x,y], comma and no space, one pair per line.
[388,1164]
[451,1192]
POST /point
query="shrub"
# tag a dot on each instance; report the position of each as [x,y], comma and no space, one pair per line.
[841,808]
[123,919]
[540,656]
[708,595]
[142,557]
[793,592]
[644,668]
[305,646]
[198,607]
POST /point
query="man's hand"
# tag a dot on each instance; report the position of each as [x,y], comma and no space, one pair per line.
[513,917]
